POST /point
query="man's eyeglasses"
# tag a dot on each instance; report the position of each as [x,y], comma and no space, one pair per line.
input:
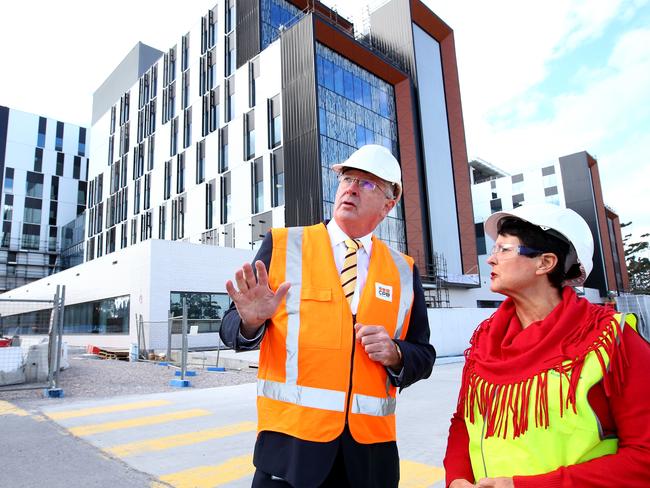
[365,185]
[507,251]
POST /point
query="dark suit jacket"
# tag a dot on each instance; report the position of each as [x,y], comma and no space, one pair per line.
[306,464]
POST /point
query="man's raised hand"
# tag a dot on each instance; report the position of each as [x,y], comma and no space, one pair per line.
[255,301]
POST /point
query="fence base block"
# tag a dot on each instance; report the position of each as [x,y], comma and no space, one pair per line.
[53,392]
[163,363]
[215,368]
[180,383]
[187,373]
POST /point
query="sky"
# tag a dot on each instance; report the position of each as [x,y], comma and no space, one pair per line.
[538,80]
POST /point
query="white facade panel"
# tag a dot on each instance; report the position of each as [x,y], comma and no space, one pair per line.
[437,151]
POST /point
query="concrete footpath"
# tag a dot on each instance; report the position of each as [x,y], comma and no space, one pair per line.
[192,437]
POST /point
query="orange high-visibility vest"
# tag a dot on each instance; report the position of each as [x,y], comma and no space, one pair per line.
[312,375]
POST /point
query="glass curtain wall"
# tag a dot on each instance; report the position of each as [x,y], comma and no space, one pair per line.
[276,13]
[355,108]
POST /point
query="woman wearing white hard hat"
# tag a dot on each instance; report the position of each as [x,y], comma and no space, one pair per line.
[553,392]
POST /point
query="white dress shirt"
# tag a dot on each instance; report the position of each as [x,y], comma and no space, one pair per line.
[337,240]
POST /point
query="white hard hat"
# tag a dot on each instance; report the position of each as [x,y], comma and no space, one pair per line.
[377,160]
[566,224]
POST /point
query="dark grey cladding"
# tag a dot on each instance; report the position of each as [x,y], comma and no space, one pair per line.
[4,127]
[303,198]
[579,196]
[248,30]
[391,33]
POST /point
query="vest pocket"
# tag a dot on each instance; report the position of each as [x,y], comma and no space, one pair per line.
[319,324]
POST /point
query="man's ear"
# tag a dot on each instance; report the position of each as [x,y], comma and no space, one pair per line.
[388,206]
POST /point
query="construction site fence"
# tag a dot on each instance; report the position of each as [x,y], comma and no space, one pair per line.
[26,360]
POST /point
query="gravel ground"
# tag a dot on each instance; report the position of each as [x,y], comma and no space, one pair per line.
[101,378]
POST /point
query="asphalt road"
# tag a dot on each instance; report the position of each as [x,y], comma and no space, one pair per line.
[190,438]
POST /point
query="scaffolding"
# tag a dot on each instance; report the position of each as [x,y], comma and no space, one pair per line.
[434,282]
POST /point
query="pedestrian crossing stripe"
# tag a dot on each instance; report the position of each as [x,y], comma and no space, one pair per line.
[122,407]
[7,408]
[418,475]
[86,430]
[179,440]
[212,476]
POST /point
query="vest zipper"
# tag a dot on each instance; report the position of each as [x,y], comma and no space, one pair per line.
[483,452]
[354,341]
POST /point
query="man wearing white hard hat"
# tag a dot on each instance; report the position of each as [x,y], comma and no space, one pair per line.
[341,323]
[554,389]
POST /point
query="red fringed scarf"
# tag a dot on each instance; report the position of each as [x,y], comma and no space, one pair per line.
[504,362]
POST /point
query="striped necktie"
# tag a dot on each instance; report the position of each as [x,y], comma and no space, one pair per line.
[349,270]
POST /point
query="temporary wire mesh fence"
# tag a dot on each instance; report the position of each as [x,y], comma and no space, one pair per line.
[31,346]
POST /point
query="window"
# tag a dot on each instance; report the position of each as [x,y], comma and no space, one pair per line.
[209,204]
[8,210]
[229,57]
[111,149]
[6,234]
[113,117]
[550,191]
[230,15]
[185,52]
[173,137]
[249,135]
[253,74]
[81,192]
[124,235]
[162,218]
[53,213]
[167,190]
[60,160]
[187,128]
[180,173]
[107,316]
[277,163]
[230,99]
[32,213]
[275,122]
[9,180]
[479,231]
[210,118]
[38,159]
[145,226]
[76,168]
[226,198]
[31,236]
[258,185]
[58,142]
[178,218]
[147,191]
[54,188]
[495,205]
[517,200]
[134,230]
[42,126]
[185,91]
[223,149]
[81,146]
[200,161]
[136,197]
[34,185]
[150,154]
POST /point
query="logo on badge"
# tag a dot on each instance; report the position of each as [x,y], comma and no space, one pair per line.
[384,292]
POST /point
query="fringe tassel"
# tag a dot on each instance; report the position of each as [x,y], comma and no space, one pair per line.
[504,404]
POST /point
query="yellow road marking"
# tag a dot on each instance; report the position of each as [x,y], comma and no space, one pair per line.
[418,475]
[138,422]
[7,408]
[212,476]
[158,484]
[179,440]
[122,407]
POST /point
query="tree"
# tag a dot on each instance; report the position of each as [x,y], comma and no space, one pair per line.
[638,265]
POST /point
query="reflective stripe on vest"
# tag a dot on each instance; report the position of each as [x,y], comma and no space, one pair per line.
[320,398]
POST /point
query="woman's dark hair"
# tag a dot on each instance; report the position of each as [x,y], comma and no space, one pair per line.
[533,236]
